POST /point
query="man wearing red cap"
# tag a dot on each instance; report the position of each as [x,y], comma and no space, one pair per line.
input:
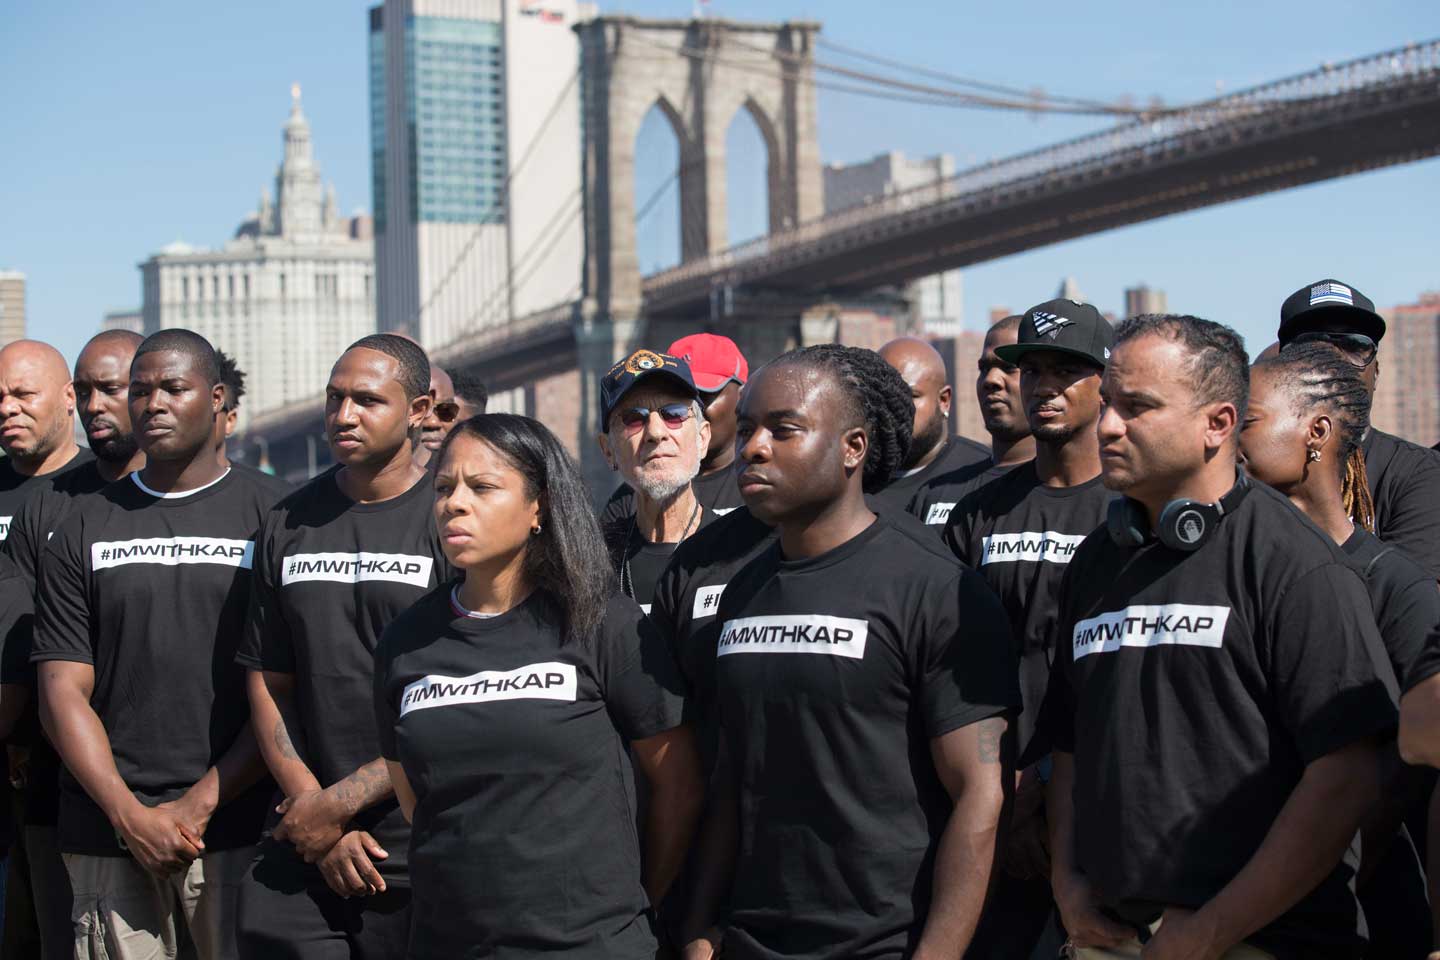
[720,370]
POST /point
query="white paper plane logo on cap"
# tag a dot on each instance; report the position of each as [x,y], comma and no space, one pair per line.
[1048,324]
[1331,293]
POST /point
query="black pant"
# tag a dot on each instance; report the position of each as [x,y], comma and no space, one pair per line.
[286,912]
[1016,919]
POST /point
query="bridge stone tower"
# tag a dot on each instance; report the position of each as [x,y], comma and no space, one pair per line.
[701,73]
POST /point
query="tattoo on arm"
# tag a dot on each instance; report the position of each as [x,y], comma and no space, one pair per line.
[282,741]
[365,787]
[989,734]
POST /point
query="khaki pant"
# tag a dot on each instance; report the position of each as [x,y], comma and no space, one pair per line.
[122,912]
[1131,951]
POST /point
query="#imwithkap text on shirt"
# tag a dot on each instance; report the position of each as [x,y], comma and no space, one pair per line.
[152,590]
[330,575]
[831,682]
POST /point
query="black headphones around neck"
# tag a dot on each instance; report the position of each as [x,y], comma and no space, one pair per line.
[1185,525]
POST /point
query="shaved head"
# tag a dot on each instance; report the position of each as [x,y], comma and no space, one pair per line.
[923,370]
[37,406]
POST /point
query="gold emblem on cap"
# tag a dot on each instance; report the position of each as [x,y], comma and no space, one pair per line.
[642,361]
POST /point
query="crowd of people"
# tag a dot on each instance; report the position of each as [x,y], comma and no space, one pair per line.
[1156,673]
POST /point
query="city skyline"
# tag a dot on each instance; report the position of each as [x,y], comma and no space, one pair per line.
[1234,262]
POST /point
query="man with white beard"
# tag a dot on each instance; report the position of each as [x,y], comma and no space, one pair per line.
[653,432]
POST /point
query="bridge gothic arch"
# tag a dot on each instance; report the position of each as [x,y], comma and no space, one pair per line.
[701,73]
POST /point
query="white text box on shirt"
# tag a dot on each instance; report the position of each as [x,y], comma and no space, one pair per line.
[172,552]
[1152,625]
[795,633]
[1029,547]
[537,681]
[356,568]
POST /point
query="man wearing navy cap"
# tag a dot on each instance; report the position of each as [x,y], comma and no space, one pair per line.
[1019,532]
[653,432]
[1403,477]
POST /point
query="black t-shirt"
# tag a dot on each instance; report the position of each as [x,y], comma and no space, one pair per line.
[1404,480]
[1193,689]
[266,481]
[16,488]
[30,531]
[832,680]
[17,617]
[638,562]
[1406,602]
[718,493]
[524,840]
[1020,535]
[904,488]
[330,574]
[153,591]
[934,504]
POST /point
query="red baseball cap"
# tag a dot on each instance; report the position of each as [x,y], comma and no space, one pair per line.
[714,360]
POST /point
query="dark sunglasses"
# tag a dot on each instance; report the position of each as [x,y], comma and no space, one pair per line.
[1359,349]
[447,412]
[672,414]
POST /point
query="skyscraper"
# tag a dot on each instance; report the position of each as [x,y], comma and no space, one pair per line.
[1142,299]
[12,306]
[286,295]
[1407,398]
[475,147]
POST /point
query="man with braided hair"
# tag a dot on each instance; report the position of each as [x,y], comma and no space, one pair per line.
[1303,430]
[863,718]
[1019,532]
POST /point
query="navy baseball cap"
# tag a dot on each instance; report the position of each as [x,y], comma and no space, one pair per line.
[1062,326]
[1329,301]
[641,365]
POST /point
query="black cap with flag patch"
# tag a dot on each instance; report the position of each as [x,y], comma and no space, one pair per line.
[1062,326]
[638,366]
[1329,305]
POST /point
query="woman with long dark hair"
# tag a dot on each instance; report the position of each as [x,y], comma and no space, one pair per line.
[506,700]
[1308,413]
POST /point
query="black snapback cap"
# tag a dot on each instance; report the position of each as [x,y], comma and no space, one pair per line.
[1062,326]
[1336,304]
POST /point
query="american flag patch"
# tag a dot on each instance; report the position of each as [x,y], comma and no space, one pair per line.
[1048,324]
[1331,293]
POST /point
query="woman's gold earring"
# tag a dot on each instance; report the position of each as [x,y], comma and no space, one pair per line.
[1313,456]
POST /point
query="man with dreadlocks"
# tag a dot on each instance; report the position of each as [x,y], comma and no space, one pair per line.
[1020,531]
[864,749]
[1302,435]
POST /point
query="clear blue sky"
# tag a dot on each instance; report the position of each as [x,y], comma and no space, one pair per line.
[128,126]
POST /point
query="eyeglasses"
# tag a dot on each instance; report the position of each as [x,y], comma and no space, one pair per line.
[1359,349]
[447,412]
[673,415]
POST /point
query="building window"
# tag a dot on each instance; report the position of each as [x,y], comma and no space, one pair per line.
[184,288]
[245,280]
[231,286]
[282,286]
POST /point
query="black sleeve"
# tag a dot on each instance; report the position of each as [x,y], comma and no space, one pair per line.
[1410,616]
[267,643]
[957,532]
[619,507]
[963,659]
[62,608]
[17,624]
[1056,722]
[386,715]
[1427,664]
[637,673]
[25,542]
[1325,687]
[1412,520]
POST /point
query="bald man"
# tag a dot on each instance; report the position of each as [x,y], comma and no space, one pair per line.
[37,422]
[997,390]
[934,452]
[444,414]
[37,433]
[102,391]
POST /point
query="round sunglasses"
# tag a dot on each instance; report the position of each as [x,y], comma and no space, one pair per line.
[633,419]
